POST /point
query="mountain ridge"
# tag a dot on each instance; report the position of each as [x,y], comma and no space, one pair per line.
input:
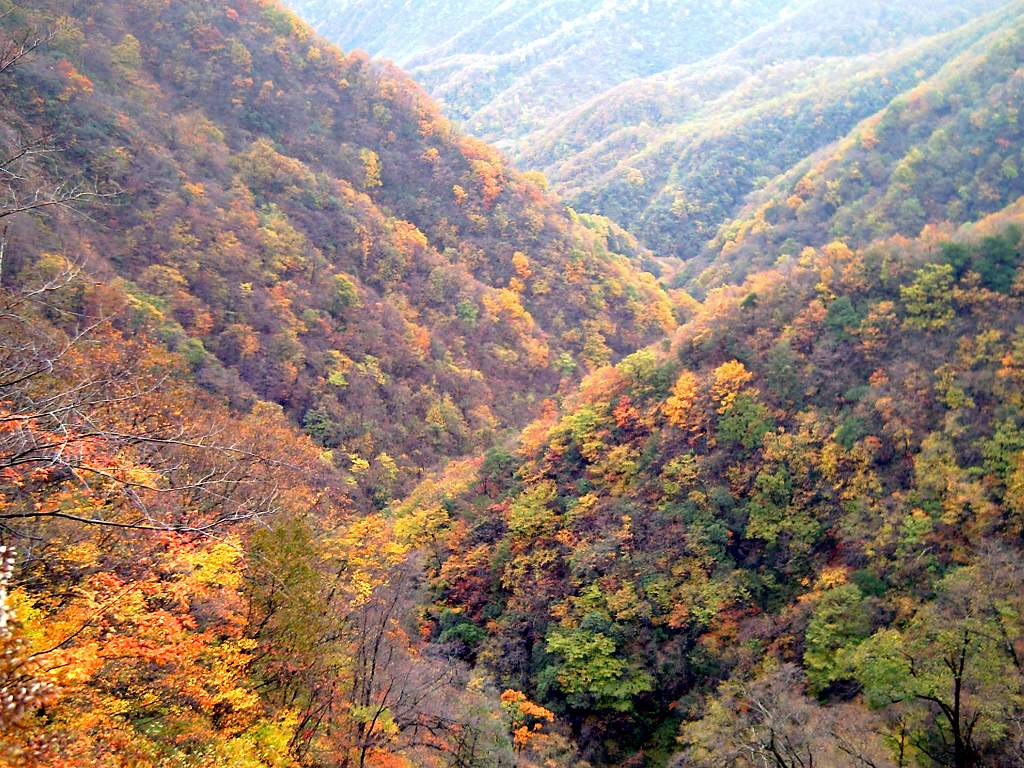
[328,439]
[647,151]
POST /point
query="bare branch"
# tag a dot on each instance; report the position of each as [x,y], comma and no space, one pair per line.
[15,50]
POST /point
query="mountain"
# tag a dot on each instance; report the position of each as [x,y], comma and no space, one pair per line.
[947,150]
[250,289]
[677,153]
[677,156]
[328,439]
[774,530]
[315,234]
[504,69]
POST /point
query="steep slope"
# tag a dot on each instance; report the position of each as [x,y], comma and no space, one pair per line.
[184,584]
[672,149]
[184,578]
[675,156]
[743,530]
[946,150]
[127,498]
[790,532]
[314,232]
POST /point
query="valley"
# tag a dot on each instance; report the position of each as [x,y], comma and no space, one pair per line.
[506,385]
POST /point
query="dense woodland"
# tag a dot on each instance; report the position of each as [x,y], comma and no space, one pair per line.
[677,156]
[310,231]
[947,150]
[328,439]
[782,524]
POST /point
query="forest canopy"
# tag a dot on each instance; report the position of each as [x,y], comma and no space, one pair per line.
[329,438]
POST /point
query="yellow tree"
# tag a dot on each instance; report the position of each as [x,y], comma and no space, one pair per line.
[729,379]
[682,408]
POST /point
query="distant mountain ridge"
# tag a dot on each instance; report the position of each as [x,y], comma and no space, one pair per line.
[673,154]
[673,157]
[945,151]
[504,69]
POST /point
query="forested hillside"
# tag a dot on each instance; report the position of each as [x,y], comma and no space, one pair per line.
[182,584]
[789,536]
[947,150]
[249,288]
[677,156]
[314,233]
[330,440]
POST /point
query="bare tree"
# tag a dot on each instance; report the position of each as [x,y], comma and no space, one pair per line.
[24,188]
[65,421]
[21,45]
[771,723]
[26,193]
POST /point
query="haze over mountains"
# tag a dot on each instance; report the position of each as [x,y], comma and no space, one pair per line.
[506,68]
[331,439]
[669,136]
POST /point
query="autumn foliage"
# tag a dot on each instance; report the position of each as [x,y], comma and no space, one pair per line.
[269,329]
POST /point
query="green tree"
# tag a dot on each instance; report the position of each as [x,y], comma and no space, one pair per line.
[530,515]
[773,517]
[842,317]
[592,673]
[954,665]
[927,299]
[745,423]
[344,295]
[840,622]
[997,260]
